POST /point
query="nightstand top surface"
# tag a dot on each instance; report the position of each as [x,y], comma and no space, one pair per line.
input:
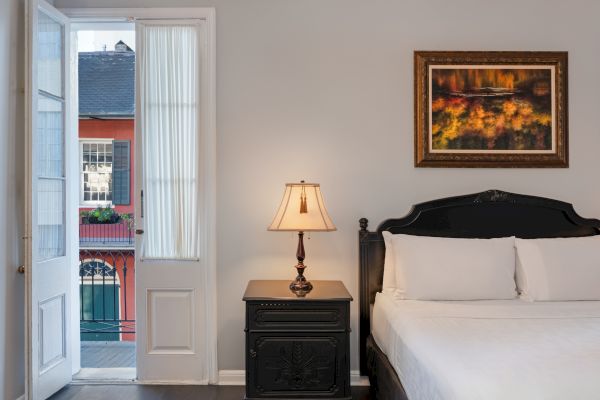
[279,290]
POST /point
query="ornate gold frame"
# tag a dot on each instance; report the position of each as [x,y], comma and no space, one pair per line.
[425,158]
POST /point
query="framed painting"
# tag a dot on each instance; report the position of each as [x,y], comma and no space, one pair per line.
[491,109]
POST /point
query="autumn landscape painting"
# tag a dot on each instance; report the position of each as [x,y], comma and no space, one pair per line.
[491,109]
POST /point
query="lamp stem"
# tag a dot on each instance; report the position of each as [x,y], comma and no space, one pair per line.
[300,251]
[300,285]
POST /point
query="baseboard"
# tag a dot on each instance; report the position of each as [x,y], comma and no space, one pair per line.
[356,379]
[232,377]
[237,377]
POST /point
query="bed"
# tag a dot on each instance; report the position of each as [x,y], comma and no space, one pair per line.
[445,349]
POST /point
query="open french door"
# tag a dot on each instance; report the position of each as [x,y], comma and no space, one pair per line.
[175,169]
[49,232]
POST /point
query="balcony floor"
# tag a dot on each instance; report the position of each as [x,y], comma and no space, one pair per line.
[107,354]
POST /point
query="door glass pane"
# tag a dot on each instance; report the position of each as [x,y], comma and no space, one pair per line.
[51,218]
[50,172]
[50,42]
[49,141]
[50,133]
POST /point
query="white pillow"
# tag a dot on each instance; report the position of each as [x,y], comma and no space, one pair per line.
[559,269]
[391,284]
[435,268]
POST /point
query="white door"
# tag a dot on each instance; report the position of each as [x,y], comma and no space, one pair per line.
[48,239]
[175,295]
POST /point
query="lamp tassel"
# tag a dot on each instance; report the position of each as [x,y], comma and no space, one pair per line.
[303,206]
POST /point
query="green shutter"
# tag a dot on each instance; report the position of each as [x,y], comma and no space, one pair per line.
[121,172]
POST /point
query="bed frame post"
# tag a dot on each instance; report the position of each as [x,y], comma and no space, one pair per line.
[364,304]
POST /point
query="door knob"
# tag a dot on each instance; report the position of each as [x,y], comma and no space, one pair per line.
[21,269]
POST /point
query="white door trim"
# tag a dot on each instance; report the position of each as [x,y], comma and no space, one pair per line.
[208,166]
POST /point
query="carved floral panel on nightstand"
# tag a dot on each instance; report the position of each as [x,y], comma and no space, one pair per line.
[296,363]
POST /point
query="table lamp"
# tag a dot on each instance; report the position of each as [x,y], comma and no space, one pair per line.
[302,210]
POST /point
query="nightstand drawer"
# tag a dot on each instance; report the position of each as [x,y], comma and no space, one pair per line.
[265,316]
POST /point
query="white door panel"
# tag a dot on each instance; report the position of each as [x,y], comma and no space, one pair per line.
[176,340]
[168,308]
[52,325]
[49,225]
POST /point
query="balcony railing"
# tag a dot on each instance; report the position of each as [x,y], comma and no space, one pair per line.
[106,294]
[119,234]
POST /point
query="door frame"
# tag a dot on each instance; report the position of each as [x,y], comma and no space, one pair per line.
[208,167]
[208,152]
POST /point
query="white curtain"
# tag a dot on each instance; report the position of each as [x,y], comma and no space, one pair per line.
[169,113]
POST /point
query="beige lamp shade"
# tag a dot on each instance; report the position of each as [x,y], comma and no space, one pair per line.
[302,209]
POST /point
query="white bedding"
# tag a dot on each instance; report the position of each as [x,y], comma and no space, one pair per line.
[495,349]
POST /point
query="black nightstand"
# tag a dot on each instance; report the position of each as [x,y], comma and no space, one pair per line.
[297,347]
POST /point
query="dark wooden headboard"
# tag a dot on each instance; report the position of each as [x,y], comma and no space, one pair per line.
[489,214]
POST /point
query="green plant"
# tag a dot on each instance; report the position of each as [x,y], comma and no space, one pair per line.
[128,219]
[104,215]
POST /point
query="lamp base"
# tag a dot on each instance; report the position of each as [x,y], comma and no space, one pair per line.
[300,286]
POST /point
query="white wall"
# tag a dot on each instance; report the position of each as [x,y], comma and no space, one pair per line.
[322,90]
[11,200]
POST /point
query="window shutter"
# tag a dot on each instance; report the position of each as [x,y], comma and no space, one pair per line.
[121,168]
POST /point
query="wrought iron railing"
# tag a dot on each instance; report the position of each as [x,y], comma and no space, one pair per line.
[107,293]
[106,235]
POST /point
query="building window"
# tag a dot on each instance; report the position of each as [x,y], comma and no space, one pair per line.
[105,172]
[96,171]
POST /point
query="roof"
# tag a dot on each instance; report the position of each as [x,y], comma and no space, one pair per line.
[106,84]
[122,46]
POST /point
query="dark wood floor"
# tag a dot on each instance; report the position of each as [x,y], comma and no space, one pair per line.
[156,392]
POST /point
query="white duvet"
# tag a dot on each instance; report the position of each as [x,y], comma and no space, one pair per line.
[504,349]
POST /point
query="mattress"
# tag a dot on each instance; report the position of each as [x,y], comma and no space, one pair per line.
[491,349]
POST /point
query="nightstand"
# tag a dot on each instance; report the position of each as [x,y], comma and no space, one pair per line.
[297,347]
